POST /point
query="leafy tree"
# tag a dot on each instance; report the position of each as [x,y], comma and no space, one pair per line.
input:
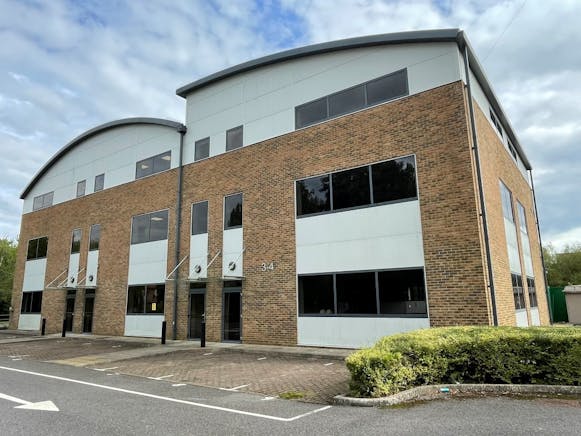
[563,268]
[8,248]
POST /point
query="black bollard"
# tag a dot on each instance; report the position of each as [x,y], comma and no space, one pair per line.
[203,333]
[43,329]
[163,330]
[64,328]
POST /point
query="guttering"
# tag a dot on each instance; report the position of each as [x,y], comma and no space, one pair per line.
[182,131]
[480,188]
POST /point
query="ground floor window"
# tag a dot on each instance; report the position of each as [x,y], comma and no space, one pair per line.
[532,292]
[517,291]
[145,299]
[391,292]
[31,302]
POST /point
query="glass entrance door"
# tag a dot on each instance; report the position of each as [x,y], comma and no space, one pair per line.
[88,312]
[231,314]
[197,305]
[70,309]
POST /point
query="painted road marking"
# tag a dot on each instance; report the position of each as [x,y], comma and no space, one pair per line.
[160,378]
[17,359]
[116,346]
[175,385]
[261,358]
[233,389]
[173,400]
[268,398]
[105,369]
[17,356]
[207,354]
[329,364]
[42,405]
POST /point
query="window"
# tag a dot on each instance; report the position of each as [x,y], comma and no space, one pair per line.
[234,138]
[145,299]
[200,218]
[31,302]
[202,149]
[522,219]
[94,237]
[506,198]
[99,182]
[517,290]
[81,188]
[378,293]
[233,211]
[496,122]
[393,180]
[153,165]
[532,292]
[76,241]
[42,201]
[512,149]
[149,227]
[313,195]
[367,94]
[37,248]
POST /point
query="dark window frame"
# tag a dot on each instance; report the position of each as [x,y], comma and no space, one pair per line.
[37,247]
[230,133]
[151,161]
[518,291]
[506,195]
[142,292]
[532,291]
[149,217]
[43,201]
[81,188]
[32,302]
[99,184]
[76,239]
[227,226]
[94,241]
[204,142]
[193,229]
[522,217]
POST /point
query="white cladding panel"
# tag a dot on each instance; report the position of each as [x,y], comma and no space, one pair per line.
[521,318]
[352,332]
[379,237]
[232,247]
[535,319]
[527,257]
[73,274]
[147,263]
[199,255]
[113,152]
[92,267]
[512,247]
[34,274]
[264,100]
[143,325]
[29,321]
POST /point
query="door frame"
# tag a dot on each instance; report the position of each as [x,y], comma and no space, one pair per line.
[232,290]
[91,295]
[70,295]
[195,291]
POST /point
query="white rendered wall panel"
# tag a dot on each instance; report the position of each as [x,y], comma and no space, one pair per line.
[232,247]
[380,237]
[29,321]
[148,263]
[199,255]
[73,275]
[34,275]
[521,318]
[148,326]
[535,319]
[92,267]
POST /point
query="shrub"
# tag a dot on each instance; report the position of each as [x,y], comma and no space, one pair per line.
[535,355]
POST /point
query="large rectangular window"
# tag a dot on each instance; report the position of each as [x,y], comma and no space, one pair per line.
[153,165]
[350,100]
[81,186]
[506,198]
[522,219]
[202,149]
[234,138]
[99,182]
[532,292]
[149,227]
[37,248]
[200,218]
[378,293]
[42,201]
[233,211]
[76,241]
[393,180]
[145,299]
[517,290]
[94,237]
[31,302]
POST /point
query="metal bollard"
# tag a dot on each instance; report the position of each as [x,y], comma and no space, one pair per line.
[163,331]
[64,333]
[203,332]
[43,328]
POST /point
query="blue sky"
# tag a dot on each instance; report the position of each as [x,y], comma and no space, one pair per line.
[67,66]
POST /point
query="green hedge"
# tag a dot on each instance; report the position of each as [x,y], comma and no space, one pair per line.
[535,355]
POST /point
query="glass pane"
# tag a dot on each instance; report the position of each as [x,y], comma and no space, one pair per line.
[200,218]
[232,316]
[402,292]
[42,247]
[196,312]
[162,162]
[351,188]
[313,195]
[506,198]
[81,188]
[135,299]
[158,226]
[47,199]
[311,113]
[202,149]
[522,220]
[356,293]
[394,180]
[154,298]
[99,182]
[144,168]
[36,303]
[347,101]
[37,203]
[25,307]
[76,242]
[316,295]
[94,237]
[233,211]
[140,229]
[387,88]
[32,249]
[234,138]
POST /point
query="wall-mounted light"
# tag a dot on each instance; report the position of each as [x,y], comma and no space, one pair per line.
[232,266]
[91,278]
[72,280]
[197,269]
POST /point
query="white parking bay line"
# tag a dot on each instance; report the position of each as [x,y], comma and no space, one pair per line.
[105,369]
[207,354]
[175,385]
[160,378]
[173,400]
[261,358]
[329,364]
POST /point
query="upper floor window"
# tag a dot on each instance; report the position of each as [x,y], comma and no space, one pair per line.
[99,182]
[149,227]
[202,149]
[496,122]
[506,198]
[153,165]
[76,241]
[522,219]
[393,180]
[37,248]
[81,188]
[200,218]
[358,97]
[234,138]
[42,201]
[94,237]
[233,211]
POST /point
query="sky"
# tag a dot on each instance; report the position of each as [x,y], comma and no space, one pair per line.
[68,66]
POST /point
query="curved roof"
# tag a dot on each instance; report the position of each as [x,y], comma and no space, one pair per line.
[92,132]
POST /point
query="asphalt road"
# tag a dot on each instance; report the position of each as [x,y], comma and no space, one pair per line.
[92,402]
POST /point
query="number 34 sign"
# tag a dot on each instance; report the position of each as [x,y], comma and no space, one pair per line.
[267,266]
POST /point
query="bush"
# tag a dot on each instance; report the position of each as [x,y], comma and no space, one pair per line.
[505,355]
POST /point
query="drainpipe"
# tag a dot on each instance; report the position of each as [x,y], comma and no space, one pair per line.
[182,131]
[541,247]
[480,188]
